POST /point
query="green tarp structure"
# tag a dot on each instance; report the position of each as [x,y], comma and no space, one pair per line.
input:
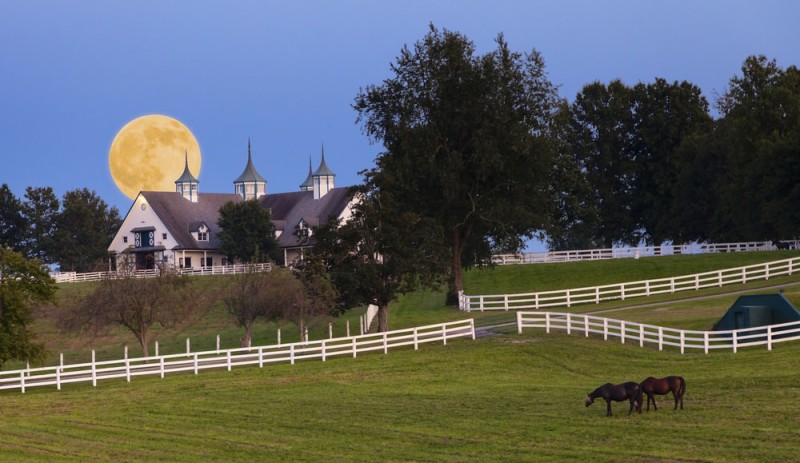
[758,310]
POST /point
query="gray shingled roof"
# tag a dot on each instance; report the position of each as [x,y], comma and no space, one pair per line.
[181,216]
[187,174]
[308,184]
[288,208]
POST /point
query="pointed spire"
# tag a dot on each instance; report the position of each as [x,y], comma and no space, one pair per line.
[308,184]
[186,185]
[250,184]
[323,169]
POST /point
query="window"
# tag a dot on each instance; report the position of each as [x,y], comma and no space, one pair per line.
[163,236]
[208,262]
[124,239]
[187,262]
[202,236]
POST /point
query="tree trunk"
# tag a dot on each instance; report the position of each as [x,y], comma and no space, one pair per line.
[383,317]
[456,277]
[248,335]
[142,337]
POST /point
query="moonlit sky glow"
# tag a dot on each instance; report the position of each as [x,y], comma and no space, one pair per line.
[285,74]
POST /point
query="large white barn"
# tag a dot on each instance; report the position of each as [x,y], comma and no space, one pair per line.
[180,228]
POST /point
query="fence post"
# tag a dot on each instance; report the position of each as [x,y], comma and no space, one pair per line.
[156,348]
[519,322]
[61,360]
[734,341]
[569,300]
[323,350]
[705,342]
[605,329]
[660,338]
[188,347]
[261,357]
[622,291]
[291,354]
[480,302]
[547,321]
[622,331]
[586,325]
[354,347]
[569,324]
[719,278]
[769,337]
[682,341]
[58,379]
[330,330]
[348,328]
[416,339]
[505,301]
[279,336]
[217,343]
[94,369]
[444,335]
[385,343]
[472,327]
[361,324]
[127,365]
[641,335]
[195,364]
[597,295]
[22,382]
[536,301]
[161,366]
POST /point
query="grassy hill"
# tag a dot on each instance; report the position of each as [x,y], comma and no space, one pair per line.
[499,398]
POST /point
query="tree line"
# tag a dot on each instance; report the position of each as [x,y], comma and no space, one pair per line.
[72,233]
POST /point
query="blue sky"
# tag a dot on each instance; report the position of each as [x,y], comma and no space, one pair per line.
[285,74]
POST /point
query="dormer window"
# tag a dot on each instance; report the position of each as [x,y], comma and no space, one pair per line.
[302,231]
[202,236]
[201,233]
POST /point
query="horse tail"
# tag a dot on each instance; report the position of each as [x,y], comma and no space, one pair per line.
[639,397]
[683,385]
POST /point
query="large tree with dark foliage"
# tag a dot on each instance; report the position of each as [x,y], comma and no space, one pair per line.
[247,232]
[12,222]
[23,283]
[759,136]
[381,252]
[465,143]
[84,228]
[40,209]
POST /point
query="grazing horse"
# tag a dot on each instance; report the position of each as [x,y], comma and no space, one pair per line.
[617,393]
[674,384]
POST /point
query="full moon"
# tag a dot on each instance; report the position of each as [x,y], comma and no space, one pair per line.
[149,154]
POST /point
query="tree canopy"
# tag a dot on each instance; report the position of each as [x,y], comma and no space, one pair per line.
[247,232]
[23,283]
[465,143]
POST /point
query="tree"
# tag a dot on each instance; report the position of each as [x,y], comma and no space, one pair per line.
[84,228]
[23,283]
[466,146]
[247,232]
[664,116]
[12,222]
[41,212]
[759,134]
[380,253]
[253,296]
[135,303]
[316,298]
[600,136]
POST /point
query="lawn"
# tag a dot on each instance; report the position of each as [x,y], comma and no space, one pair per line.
[501,398]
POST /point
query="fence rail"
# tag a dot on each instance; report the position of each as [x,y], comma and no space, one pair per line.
[629,290]
[126,368]
[641,251]
[73,277]
[643,334]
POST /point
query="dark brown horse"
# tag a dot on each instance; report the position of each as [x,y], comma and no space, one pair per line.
[617,392]
[661,386]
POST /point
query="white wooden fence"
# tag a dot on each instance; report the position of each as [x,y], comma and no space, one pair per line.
[73,277]
[126,368]
[635,253]
[629,290]
[641,334]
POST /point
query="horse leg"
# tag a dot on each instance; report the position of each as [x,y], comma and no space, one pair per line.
[632,400]
[608,407]
[652,397]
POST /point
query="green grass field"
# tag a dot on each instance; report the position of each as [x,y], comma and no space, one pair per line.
[507,397]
